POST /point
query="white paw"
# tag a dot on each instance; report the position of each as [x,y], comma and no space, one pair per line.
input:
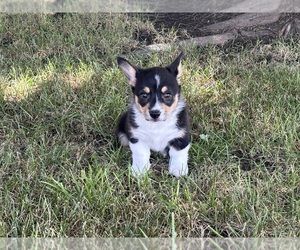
[179,170]
[178,161]
[140,159]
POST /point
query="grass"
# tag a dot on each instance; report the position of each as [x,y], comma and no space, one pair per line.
[63,174]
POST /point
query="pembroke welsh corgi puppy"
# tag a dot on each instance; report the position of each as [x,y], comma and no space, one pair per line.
[157,118]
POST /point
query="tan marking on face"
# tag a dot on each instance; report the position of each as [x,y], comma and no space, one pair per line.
[170,109]
[164,89]
[147,90]
[144,109]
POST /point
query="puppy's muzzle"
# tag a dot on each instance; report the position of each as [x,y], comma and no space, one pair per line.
[154,114]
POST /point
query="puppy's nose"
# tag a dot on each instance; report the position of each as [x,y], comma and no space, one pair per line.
[154,113]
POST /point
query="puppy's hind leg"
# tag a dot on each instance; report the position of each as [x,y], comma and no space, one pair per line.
[121,130]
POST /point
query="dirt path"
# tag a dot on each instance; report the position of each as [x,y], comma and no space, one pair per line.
[196,23]
[220,28]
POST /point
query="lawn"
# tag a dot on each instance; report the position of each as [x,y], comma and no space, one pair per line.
[62,172]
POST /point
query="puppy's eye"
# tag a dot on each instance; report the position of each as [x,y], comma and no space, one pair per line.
[167,96]
[144,96]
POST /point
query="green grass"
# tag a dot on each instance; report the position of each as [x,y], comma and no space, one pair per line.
[63,174]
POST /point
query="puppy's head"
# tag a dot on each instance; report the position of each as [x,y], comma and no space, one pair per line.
[156,90]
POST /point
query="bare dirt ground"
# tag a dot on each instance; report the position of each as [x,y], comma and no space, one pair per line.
[195,25]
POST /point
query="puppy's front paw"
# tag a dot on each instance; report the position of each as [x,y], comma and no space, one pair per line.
[140,159]
[179,169]
[178,161]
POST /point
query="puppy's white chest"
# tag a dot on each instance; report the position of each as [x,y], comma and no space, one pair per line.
[157,135]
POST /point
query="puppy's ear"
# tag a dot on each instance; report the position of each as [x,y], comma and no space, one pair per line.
[175,67]
[128,69]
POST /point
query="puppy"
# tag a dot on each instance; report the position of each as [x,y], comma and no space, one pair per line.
[157,118]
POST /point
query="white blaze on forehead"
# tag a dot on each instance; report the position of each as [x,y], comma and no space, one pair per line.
[157,105]
[157,78]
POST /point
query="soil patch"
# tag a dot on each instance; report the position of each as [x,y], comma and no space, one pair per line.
[197,25]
